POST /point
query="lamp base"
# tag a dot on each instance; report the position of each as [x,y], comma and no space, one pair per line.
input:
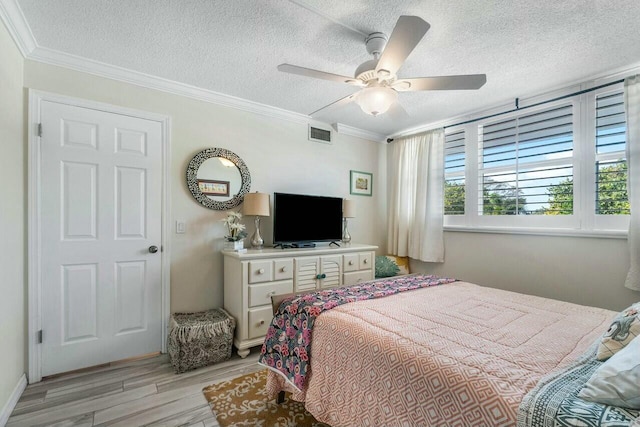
[346,237]
[257,242]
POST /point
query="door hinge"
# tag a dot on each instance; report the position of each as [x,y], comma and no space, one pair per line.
[39,129]
[40,336]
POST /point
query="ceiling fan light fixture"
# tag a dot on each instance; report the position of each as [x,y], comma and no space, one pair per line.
[376,100]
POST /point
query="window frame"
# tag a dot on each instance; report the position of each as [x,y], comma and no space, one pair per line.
[457,174]
[460,219]
[584,220]
[603,222]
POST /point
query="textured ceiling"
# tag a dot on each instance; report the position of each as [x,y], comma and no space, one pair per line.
[234,46]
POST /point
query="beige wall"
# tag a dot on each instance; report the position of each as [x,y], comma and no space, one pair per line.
[12,218]
[588,271]
[277,153]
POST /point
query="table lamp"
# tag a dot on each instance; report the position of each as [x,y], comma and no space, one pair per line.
[348,211]
[256,204]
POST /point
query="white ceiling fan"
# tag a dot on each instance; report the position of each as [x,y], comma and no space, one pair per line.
[377,77]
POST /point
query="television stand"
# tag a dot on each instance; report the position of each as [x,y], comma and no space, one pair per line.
[334,243]
[265,272]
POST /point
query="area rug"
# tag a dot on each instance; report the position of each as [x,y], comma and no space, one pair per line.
[243,401]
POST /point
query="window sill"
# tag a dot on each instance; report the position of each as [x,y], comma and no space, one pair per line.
[556,232]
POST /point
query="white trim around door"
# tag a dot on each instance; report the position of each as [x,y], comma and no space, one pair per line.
[34,216]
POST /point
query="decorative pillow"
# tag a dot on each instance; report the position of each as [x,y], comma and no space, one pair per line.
[617,381]
[391,265]
[625,327]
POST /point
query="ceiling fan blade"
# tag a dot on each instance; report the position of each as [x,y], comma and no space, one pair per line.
[406,35]
[339,103]
[463,82]
[308,72]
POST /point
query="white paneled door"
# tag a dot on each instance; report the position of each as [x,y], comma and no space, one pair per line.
[100,225]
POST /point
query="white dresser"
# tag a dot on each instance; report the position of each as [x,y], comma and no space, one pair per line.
[251,278]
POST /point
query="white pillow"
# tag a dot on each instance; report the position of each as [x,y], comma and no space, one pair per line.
[617,381]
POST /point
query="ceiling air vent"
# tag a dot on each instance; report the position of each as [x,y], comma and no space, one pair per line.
[319,135]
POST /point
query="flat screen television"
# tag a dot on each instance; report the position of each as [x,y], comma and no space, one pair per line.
[303,218]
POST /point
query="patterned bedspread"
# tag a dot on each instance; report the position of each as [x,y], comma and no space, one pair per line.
[454,355]
[287,346]
[554,402]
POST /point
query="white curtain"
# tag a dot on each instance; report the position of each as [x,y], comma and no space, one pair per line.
[416,192]
[632,105]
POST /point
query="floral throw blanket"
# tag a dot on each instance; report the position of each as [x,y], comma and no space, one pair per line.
[287,346]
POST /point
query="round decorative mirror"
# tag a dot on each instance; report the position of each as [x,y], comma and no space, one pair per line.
[218,178]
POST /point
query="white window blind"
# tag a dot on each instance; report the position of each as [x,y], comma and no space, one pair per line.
[611,165]
[454,164]
[525,164]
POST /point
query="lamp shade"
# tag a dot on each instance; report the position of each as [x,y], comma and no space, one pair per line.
[256,204]
[348,208]
[376,100]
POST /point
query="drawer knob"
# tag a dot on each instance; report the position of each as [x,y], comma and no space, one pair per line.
[365,260]
[271,293]
[262,322]
[283,269]
[261,271]
[350,262]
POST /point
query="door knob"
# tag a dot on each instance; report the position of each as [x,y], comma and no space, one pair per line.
[153,249]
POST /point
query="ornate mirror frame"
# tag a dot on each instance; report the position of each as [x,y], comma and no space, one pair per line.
[192,181]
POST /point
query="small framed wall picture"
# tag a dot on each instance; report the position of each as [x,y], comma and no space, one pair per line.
[361,183]
[212,187]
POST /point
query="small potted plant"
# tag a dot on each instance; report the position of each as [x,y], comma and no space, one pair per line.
[235,231]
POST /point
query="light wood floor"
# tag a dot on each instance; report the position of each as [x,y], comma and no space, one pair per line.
[142,393]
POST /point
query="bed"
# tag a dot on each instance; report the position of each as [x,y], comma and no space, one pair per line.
[451,354]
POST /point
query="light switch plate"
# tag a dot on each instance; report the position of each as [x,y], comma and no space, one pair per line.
[181,226]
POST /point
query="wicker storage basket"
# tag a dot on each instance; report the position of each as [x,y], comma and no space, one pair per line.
[200,339]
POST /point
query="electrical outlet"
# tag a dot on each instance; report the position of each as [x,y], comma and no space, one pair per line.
[181,226]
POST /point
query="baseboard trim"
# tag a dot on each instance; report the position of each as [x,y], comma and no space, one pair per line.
[7,409]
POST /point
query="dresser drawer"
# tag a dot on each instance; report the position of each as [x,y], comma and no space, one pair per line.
[260,271]
[355,277]
[365,261]
[261,294]
[259,321]
[351,262]
[283,269]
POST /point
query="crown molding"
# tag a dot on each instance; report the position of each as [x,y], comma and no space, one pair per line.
[16,24]
[358,133]
[101,69]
